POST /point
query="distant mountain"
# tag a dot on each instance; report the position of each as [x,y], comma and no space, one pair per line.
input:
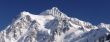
[53,26]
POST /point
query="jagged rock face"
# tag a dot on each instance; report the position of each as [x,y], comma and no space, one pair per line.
[53,26]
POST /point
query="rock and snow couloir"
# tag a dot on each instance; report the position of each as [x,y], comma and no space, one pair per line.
[53,26]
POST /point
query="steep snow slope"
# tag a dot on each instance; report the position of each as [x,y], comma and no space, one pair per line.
[53,26]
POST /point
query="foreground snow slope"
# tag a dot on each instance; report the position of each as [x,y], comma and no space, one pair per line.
[53,26]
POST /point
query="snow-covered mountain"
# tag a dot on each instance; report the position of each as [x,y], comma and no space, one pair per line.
[53,26]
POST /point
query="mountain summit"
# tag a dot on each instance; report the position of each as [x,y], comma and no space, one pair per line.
[55,12]
[53,25]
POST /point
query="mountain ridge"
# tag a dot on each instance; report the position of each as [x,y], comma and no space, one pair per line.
[53,26]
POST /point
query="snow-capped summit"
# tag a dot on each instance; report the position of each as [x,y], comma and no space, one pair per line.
[55,12]
[53,25]
[24,13]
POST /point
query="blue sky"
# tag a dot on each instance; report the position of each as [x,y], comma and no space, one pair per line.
[94,11]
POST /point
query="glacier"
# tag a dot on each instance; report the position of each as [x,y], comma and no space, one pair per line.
[53,25]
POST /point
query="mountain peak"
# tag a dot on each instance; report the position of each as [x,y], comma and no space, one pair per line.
[103,25]
[55,9]
[55,12]
[24,13]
